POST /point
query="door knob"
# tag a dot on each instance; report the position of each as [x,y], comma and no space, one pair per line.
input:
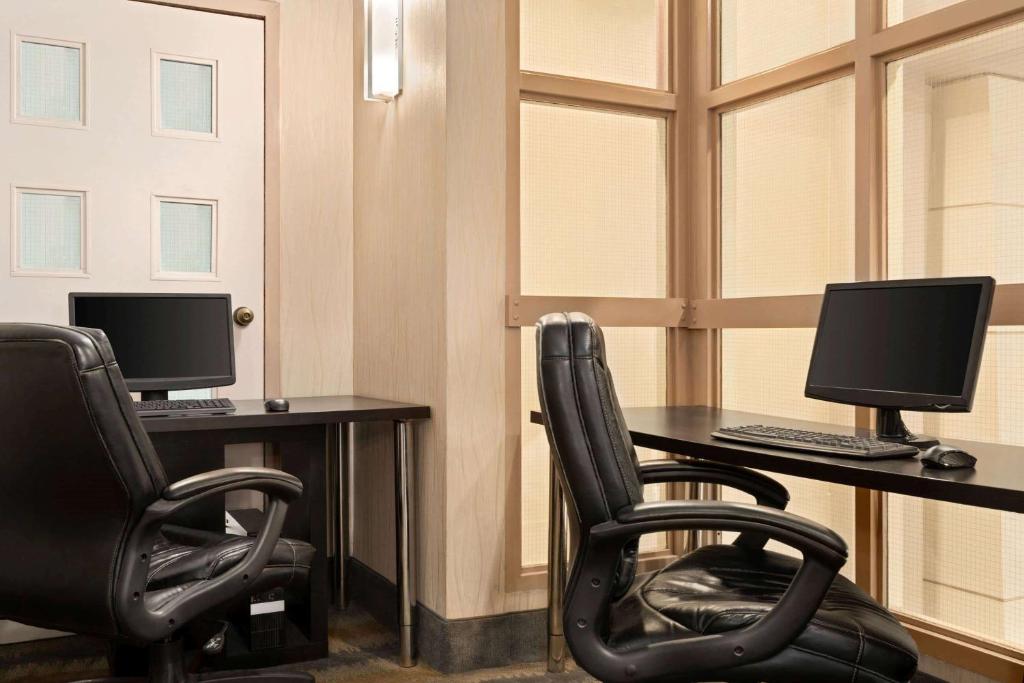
[244,315]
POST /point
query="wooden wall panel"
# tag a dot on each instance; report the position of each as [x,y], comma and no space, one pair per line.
[316,197]
[477,463]
[399,274]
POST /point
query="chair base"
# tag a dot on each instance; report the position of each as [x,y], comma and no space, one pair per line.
[167,665]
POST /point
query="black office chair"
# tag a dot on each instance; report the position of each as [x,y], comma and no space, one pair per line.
[722,612]
[83,501]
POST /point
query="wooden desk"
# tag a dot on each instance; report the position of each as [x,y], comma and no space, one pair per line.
[314,442]
[997,482]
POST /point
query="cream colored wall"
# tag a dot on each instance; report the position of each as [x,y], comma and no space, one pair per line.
[476,471]
[316,197]
[429,207]
[399,352]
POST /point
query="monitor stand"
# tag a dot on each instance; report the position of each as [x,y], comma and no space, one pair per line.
[889,427]
[155,395]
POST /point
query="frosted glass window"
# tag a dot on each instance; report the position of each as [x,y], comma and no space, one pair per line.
[763,371]
[964,566]
[955,127]
[955,155]
[756,35]
[787,190]
[186,96]
[49,81]
[636,358]
[593,207]
[50,228]
[619,41]
[186,237]
[901,10]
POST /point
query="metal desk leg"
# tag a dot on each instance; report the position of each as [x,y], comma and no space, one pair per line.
[331,519]
[405,546]
[343,487]
[556,574]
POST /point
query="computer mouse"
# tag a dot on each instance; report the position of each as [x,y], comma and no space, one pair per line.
[947,458]
[277,405]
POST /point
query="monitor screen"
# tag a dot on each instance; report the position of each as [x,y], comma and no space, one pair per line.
[179,341]
[901,344]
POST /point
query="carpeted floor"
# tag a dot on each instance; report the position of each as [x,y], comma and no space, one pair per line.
[362,651]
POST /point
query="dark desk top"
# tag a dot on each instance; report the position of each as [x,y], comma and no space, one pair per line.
[303,411]
[996,482]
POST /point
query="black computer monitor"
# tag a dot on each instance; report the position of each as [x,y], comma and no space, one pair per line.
[163,341]
[901,344]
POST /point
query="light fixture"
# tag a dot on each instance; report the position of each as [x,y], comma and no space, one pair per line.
[382,73]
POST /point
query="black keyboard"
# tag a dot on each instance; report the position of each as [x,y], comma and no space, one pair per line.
[186,406]
[842,445]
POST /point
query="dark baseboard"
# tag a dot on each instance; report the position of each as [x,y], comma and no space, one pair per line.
[454,646]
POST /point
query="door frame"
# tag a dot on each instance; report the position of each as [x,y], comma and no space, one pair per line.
[269,12]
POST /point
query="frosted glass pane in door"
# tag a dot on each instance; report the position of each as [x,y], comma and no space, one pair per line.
[49,232]
[49,82]
[186,237]
[186,96]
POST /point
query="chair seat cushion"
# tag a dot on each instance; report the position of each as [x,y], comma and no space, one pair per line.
[724,587]
[183,555]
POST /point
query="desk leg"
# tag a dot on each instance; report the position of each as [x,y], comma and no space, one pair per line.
[556,573]
[341,485]
[405,545]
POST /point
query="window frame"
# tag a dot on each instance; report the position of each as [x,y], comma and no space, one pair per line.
[156,57]
[694,312]
[82,123]
[17,270]
[667,312]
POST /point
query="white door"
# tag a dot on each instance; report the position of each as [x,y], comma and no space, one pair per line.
[132,161]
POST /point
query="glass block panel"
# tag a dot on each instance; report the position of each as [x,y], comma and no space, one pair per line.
[186,237]
[787,193]
[50,231]
[636,357]
[897,11]
[619,41]
[955,147]
[764,371]
[49,81]
[956,207]
[593,202]
[756,35]
[186,96]
[964,566]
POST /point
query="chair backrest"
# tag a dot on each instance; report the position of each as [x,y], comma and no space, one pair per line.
[76,471]
[583,419]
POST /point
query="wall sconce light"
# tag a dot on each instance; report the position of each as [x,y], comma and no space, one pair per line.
[383,59]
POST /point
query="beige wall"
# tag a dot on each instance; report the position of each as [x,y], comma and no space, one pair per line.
[316,197]
[399,277]
[429,269]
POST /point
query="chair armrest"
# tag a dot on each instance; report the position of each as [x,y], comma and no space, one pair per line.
[824,553]
[149,625]
[765,490]
[798,532]
[271,482]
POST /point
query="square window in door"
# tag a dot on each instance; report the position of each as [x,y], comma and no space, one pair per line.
[184,240]
[184,97]
[48,232]
[48,87]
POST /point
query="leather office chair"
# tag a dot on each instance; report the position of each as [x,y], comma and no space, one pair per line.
[83,501]
[732,612]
